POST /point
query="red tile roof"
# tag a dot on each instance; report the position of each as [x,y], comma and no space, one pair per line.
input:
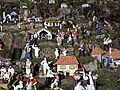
[97,51]
[67,60]
[115,54]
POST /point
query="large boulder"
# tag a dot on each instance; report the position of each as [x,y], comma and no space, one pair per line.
[92,66]
[7,39]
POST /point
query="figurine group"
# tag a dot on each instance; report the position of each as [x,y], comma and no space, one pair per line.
[85,81]
[6,73]
[57,52]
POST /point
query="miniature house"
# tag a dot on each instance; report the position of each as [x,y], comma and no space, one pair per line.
[67,64]
[97,52]
[44,34]
[115,53]
[52,22]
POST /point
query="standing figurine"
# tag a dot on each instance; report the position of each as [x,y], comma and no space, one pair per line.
[54,85]
[27,54]
[91,84]
[81,49]
[97,28]
[64,52]
[19,86]
[1,26]
[3,71]
[70,40]
[49,77]
[44,66]
[56,53]
[31,82]
[6,77]
[28,69]
[36,50]
[59,40]
[11,71]
[79,86]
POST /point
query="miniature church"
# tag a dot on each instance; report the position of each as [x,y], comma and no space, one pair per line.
[44,34]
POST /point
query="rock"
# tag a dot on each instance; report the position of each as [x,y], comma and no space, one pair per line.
[98,36]
[17,43]
[11,28]
[91,66]
[38,25]
[1,35]
[102,36]
[1,53]
[66,80]
[23,32]
[47,43]
[7,39]
[47,52]
[70,51]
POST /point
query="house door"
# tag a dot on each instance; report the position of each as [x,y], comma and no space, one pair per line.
[67,73]
[43,35]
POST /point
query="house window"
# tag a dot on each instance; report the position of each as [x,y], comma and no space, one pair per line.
[48,24]
[62,67]
[56,24]
[51,24]
[72,67]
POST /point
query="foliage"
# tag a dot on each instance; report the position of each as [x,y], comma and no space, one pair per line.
[86,59]
[107,79]
[10,4]
[30,5]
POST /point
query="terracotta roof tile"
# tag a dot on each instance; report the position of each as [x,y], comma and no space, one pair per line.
[97,51]
[115,54]
[67,60]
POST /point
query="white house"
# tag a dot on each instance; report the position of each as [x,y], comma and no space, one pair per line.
[44,34]
[52,22]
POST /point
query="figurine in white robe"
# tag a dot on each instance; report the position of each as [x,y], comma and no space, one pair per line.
[56,53]
[28,64]
[44,66]
[3,71]
[49,77]
[36,50]
[11,71]
[19,86]
[6,76]
[1,26]
[91,85]
[54,85]
[80,87]
[64,52]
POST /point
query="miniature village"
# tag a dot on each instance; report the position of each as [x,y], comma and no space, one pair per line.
[59,45]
